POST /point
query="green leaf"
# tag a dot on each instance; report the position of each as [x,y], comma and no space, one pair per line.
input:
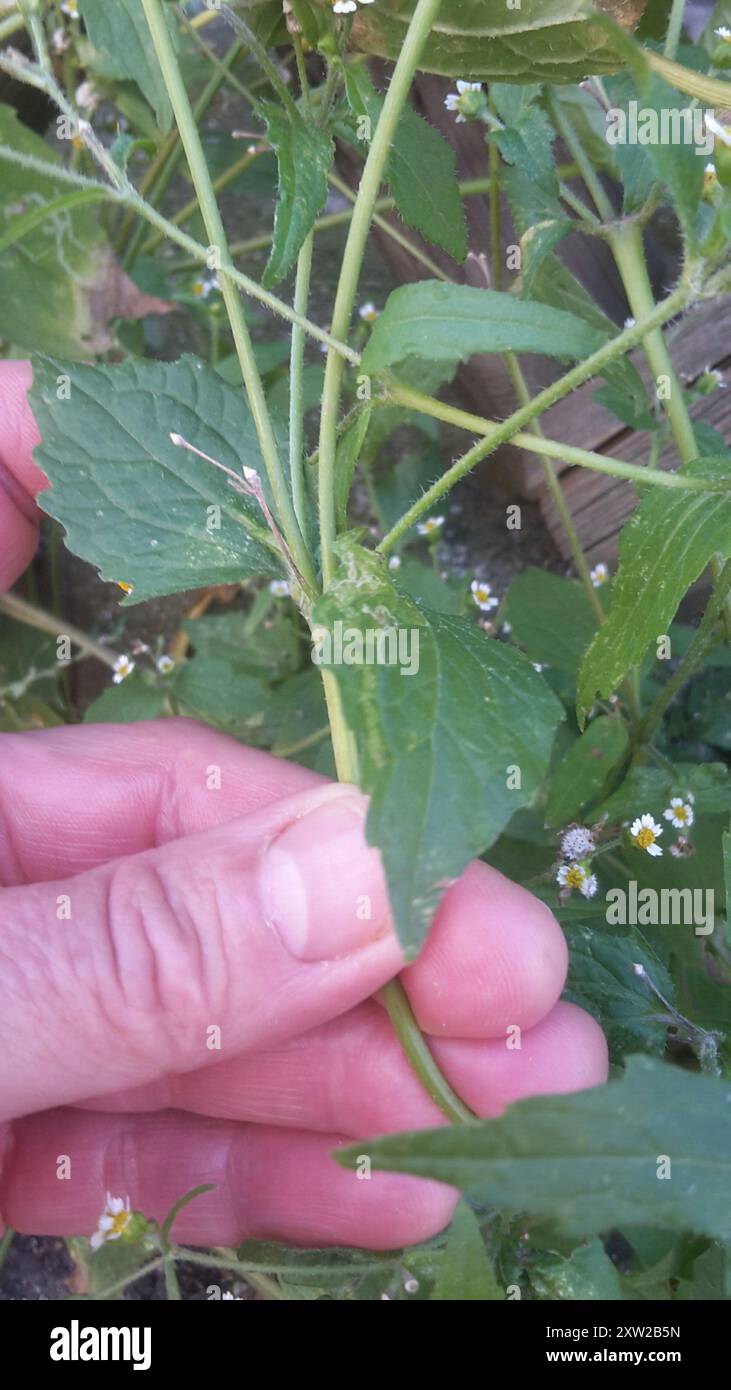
[602,979]
[527,137]
[589,1161]
[465,1273]
[542,40]
[222,692]
[440,321]
[421,170]
[47,275]
[650,788]
[583,773]
[435,746]
[304,155]
[664,547]
[587,1274]
[134,699]
[121,34]
[132,503]
[347,455]
[551,618]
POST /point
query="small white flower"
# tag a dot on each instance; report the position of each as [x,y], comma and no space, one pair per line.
[630,322]
[717,376]
[506,629]
[710,178]
[644,833]
[165,664]
[454,100]
[123,668]
[71,7]
[394,562]
[87,96]
[368,312]
[349,6]
[60,41]
[577,876]
[577,842]
[280,588]
[205,286]
[721,132]
[599,575]
[679,813]
[723,32]
[113,1221]
[411,1285]
[538,666]
[431,527]
[483,595]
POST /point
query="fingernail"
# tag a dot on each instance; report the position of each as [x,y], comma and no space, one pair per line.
[322,888]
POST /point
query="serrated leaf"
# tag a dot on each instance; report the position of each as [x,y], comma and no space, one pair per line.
[134,504]
[465,1273]
[589,1161]
[347,454]
[120,32]
[650,788]
[588,1274]
[665,546]
[439,321]
[421,170]
[304,155]
[541,40]
[435,746]
[583,773]
[602,979]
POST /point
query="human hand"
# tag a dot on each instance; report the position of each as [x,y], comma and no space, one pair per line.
[148,912]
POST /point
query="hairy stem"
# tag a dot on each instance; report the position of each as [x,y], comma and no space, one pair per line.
[24,612]
[706,635]
[424,15]
[242,340]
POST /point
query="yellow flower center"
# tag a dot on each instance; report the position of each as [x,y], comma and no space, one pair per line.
[681,812]
[120,1222]
[645,837]
[575,877]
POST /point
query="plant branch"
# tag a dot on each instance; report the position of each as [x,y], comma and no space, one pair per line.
[24,612]
[424,15]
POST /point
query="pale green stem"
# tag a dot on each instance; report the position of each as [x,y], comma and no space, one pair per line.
[12,25]
[674,29]
[259,53]
[556,492]
[583,163]
[709,90]
[424,15]
[190,209]
[296,386]
[200,175]
[24,612]
[391,231]
[522,417]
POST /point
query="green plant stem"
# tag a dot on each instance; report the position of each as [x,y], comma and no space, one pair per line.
[242,340]
[415,1046]
[260,55]
[396,394]
[27,613]
[556,493]
[706,635]
[12,25]
[424,15]
[297,345]
[580,158]
[422,257]
[520,418]
[710,90]
[674,29]
[166,162]
[172,1286]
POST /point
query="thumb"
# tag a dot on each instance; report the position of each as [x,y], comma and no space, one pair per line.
[212,945]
